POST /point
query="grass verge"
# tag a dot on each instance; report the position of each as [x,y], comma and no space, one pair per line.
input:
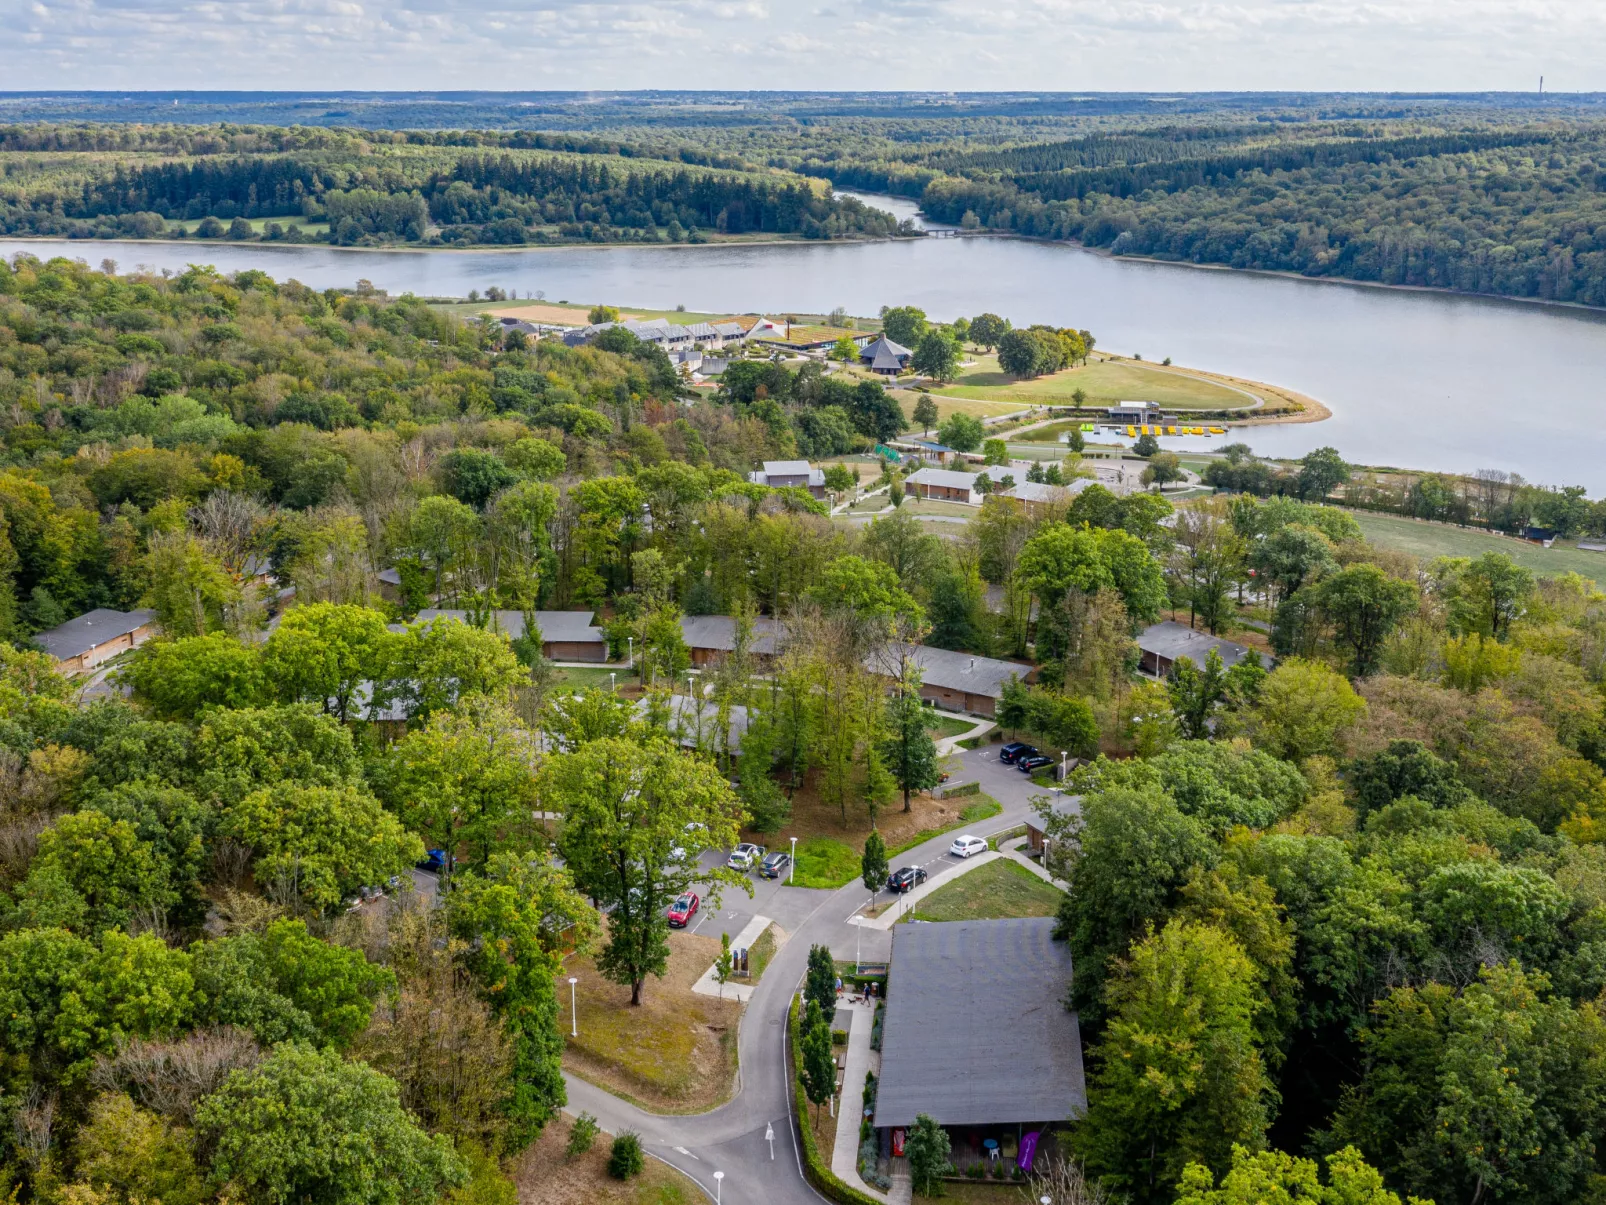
[1429,540]
[825,862]
[675,1052]
[760,954]
[545,1175]
[981,807]
[816,1170]
[943,726]
[997,891]
[981,810]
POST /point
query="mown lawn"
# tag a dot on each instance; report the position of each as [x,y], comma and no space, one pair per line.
[941,726]
[825,862]
[1105,382]
[574,679]
[951,402]
[1429,540]
[997,891]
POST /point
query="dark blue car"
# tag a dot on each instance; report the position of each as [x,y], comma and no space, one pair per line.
[1015,750]
[434,861]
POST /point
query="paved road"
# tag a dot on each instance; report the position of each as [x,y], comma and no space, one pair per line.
[732,1138]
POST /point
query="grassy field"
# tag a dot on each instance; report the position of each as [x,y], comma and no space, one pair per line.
[941,726]
[574,679]
[1105,382]
[997,891]
[979,406]
[675,1053]
[1429,540]
[258,225]
[825,862]
[918,507]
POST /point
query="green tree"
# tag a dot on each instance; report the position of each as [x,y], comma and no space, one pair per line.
[1291,556]
[519,916]
[1146,446]
[431,666]
[1179,1079]
[307,1125]
[537,458]
[473,475]
[191,593]
[1196,693]
[175,679]
[927,1150]
[465,779]
[237,752]
[628,806]
[324,653]
[1364,605]
[599,314]
[905,324]
[132,1154]
[819,984]
[987,329]
[819,1067]
[925,412]
[1303,709]
[445,533]
[321,843]
[625,1158]
[1487,595]
[961,432]
[908,752]
[996,451]
[1274,1178]
[936,357]
[724,964]
[873,863]
[1126,856]
[1163,468]
[1320,473]
[845,349]
[94,873]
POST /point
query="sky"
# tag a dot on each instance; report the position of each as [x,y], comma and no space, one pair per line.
[1059,45]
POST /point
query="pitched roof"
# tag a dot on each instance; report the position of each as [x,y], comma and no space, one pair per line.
[786,468]
[717,633]
[955,992]
[1038,491]
[1171,640]
[91,630]
[949,670]
[948,478]
[729,330]
[884,346]
[560,627]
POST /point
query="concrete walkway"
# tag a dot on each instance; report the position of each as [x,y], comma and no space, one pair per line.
[850,1107]
[949,744]
[735,989]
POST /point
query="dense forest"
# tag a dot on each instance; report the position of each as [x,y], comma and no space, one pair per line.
[369,190]
[1337,923]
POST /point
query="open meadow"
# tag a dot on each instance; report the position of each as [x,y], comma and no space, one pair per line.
[1105,382]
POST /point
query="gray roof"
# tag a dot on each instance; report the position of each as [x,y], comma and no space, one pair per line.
[786,468]
[1038,491]
[976,1031]
[1171,640]
[91,630]
[685,726]
[566,627]
[949,670]
[718,632]
[948,478]
[730,330]
[391,577]
[885,349]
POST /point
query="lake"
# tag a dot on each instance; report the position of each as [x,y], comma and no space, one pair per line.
[1415,379]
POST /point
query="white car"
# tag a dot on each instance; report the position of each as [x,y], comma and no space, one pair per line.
[745,856]
[963,847]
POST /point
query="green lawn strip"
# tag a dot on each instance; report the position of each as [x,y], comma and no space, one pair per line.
[825,862]
[816,1167]
[971,813]
[999,890]
[1429,540]
[760,953]
[943,726]
[577,678]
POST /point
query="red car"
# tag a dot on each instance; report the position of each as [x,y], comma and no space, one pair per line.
[683,909]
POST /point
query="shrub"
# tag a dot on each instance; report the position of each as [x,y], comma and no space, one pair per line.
[581,1135]
[975,1171]
[626,1159]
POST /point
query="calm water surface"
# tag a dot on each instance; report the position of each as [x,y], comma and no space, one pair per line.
[1423,380]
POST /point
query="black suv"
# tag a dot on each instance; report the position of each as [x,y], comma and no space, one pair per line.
[906,879]
[1016,750]
[1035,762]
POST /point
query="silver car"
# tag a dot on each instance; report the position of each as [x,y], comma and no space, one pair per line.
[745,856]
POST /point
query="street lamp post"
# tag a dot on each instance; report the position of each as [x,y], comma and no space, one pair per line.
[613,681]
[574,1015]
[1062,765]
[791,871]
[719,1186]
[631,642]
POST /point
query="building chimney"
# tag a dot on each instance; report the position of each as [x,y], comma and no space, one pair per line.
[971,667]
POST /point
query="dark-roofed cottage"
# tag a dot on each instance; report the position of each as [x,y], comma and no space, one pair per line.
[81,644]
[884,357]
[958,681]
[1160,646]
[977,1035]
[710,638]
[565,635]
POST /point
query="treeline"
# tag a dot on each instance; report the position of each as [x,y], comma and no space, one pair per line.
[470,197]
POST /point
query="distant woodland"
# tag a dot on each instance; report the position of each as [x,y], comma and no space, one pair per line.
[1491,194]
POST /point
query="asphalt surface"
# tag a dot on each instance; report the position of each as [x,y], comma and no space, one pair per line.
[760,1170]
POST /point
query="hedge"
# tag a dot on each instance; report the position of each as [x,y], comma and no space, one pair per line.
[816,1171]
[964,788]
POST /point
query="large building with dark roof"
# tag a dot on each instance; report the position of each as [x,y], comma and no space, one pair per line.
[1160,645]
[96,637]
[958,681]
[977,1033]
[565,635]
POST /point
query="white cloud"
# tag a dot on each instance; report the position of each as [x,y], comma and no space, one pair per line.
[877,44]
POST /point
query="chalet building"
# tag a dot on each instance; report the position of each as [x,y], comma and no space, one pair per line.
[943,485]
[885,358]
[711,638]
[1160,645]
[778,474]
[957,681]
[96,637]
[1037,498]
[565,635]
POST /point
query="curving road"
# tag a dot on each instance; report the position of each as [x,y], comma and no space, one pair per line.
[732,1138]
